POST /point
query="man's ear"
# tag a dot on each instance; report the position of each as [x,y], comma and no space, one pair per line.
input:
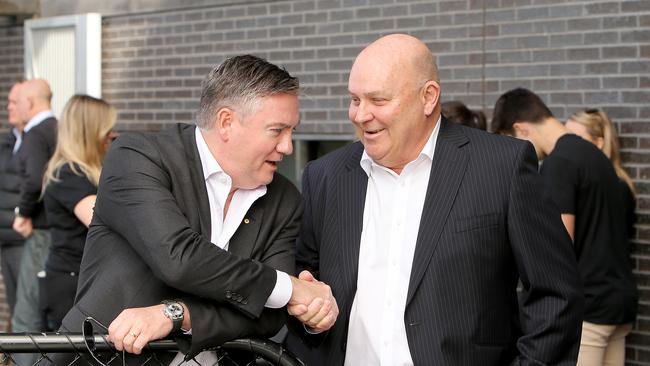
[520,129]
[223,121]
[431,96]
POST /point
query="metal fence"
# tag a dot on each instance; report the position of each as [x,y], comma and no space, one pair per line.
[88,348]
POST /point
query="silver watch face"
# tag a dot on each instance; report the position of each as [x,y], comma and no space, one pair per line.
[173,310]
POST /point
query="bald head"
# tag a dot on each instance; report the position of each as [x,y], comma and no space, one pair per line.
[38,89]
[401,52]
[34,97]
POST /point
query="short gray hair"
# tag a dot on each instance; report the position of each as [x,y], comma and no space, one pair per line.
[239,82]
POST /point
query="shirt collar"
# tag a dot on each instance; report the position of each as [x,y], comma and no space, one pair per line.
[427,151]
[37,119]
[208,162]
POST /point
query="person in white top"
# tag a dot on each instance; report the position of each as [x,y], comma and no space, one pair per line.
[193,233]
[423,228]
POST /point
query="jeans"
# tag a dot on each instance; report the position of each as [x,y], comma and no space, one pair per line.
[28,316]
[10,257]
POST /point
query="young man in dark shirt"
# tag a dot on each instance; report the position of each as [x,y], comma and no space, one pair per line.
[584,186]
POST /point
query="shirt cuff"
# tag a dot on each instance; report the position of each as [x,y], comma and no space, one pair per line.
[310,331]
[281,293]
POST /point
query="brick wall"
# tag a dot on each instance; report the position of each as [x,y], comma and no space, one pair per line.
[11,64]
[574,53]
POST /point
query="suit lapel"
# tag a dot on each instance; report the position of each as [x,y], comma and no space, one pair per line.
[351,188]
[197,179]
[447,171]
[244,239]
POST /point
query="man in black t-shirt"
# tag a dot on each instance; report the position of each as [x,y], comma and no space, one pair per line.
[583,184]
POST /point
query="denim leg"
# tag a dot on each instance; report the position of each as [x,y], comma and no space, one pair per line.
[27,316]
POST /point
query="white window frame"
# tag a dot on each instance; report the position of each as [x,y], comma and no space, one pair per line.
[88,51]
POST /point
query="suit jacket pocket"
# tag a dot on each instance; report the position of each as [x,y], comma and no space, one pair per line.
[477,222]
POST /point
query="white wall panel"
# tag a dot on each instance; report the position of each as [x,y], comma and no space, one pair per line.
[65,51]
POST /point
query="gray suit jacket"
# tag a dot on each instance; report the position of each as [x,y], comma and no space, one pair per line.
[485,224]
[150,240]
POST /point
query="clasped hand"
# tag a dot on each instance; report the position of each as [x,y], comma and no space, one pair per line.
[312,303]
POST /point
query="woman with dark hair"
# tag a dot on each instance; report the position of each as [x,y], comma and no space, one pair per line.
[458,112]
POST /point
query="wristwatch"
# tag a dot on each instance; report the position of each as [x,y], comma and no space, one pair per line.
[174,311]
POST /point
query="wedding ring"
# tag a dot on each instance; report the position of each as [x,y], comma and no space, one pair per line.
[134,335]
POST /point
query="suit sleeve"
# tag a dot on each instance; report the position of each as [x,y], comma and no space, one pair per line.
[135,199]
[307,248]
[552,302]
[34,155]
[306,245]
[213,323]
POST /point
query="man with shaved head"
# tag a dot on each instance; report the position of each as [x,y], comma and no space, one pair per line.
[39,141]
[423,229]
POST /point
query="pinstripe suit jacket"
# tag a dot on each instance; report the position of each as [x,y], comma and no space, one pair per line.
[485,224]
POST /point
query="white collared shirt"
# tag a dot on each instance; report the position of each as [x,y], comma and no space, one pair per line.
[19,139]
[391,220]
[37,119]
[218,184]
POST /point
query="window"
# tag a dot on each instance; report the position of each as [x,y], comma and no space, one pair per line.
[305,150]
[65,51]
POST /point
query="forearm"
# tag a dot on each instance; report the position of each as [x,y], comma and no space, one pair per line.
[216,324]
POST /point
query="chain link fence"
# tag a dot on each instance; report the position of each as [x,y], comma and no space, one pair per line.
[88,348]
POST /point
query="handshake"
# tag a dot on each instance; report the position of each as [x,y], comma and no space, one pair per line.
[312,303]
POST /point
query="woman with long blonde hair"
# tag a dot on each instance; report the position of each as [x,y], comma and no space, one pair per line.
[604,344]
[69,191]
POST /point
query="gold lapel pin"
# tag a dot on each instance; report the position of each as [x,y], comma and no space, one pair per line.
[247,221]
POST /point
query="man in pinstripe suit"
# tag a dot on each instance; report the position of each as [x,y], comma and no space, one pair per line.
[423,229]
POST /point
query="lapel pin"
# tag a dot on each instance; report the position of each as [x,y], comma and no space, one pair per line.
[247,221]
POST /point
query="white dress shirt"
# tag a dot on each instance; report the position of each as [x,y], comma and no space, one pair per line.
[218,185]
[35,121]
[19,139]
[391,220]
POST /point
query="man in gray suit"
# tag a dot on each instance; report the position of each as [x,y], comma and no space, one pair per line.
[196,218]
[423,229]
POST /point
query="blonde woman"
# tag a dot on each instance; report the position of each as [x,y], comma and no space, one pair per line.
[69,191]
[603,343]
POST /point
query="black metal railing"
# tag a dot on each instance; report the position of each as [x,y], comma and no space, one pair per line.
[80,346]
